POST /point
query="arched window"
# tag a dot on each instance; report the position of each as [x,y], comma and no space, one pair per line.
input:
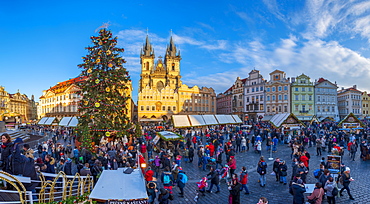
[147,65]
[173,66]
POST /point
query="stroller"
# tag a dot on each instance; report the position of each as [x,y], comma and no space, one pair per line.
[224,173]
[211,163]
[202,184]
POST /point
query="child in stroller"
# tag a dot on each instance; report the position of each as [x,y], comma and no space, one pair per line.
[202,184]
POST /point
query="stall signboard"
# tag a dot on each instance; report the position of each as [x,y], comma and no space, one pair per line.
[351,125]
[333,162]
[156,139]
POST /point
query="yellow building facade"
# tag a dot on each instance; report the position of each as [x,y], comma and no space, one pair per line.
[62,100]
[161,91]
[365,104]
[17,107]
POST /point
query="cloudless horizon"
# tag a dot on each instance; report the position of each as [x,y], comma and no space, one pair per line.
[43,41]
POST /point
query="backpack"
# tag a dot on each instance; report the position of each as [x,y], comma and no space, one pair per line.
[184,178]
[166,179]
[316,173]
[334,192]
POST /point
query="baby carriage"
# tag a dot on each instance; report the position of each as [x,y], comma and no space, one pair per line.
[202,184]
[224,173]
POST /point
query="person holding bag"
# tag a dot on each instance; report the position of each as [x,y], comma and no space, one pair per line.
[316,196]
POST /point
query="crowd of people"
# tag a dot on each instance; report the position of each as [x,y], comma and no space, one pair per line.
[214,150]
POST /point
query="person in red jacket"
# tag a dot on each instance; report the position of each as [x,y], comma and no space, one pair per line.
[304,159]
[149,175]
[244,179]
[211,148]
[232,165]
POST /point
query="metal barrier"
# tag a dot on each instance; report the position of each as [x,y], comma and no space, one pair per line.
[53,187]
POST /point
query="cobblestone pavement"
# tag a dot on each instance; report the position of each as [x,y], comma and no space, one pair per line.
[274,191]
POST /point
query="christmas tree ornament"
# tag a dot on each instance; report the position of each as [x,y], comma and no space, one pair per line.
[97,81]
[97,104]
[86,102]
[110,65]
[100,43]
[107,134]
[98,60]
[107,89]
[89,70]
[108,52]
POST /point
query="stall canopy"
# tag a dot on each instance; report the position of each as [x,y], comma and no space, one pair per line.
[42,121]
[48,121]
[288,119]
[65,121]
[181,121]
[116,185]
[267,118]
[167,135]
[73,122]
[204,120]
[196,120]
[350,122]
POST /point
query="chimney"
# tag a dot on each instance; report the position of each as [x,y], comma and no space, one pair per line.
[342,88]
[293,79]
[355,86]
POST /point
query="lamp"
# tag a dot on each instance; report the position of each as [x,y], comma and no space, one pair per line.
[143,165]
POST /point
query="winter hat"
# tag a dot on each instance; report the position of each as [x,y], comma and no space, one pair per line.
[348,169]
[299,181]
[18,140]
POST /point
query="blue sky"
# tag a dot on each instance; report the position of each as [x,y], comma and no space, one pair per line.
[43,41]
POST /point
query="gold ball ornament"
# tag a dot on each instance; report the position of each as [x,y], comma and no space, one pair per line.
[107,89]
[100,42]
[110,65]
[108,52]
[97,104]
[99,52]
[86,102]
[107,134]
[97,81]
[97,60]
[89,70]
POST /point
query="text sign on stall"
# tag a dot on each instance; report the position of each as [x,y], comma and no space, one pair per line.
[333,162]
[128,202]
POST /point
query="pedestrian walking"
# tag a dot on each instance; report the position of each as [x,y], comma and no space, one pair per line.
[244,180]
[331,190]
[261,169]
[182,179]
[234,189]
[215,180]
[297,189]
[345,180]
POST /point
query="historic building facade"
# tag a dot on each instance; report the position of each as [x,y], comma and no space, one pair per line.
[303,98]
[223,102]
[277,93]
[326,100]
[350,101]
[17,107]
[254,96]
[62,100]
[238,98]
[365,104]
[161,91]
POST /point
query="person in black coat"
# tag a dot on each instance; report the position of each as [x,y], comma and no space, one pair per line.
[297,189]
[191,154]
[215,180]
[234,189]
[151,189]
[163,197]
[6,151]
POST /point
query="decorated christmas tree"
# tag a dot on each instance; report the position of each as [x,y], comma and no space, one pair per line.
[105,91]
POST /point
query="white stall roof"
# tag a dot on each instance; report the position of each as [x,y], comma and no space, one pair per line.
[231,119]
[210,120]
[49,121]
[181,121]
[115,185]
[65,121]
[222,119]
[42,121]
[197,120]
[73,122]
[237,119]
[278,119]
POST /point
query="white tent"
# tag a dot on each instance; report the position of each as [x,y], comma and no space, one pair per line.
[116,185]
[49,121]
[65,121]
[210,119]
[181,121]
[197,120]
[169,135]
[73,122]
[42,121]
[237,119]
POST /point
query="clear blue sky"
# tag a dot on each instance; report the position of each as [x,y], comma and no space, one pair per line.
[43,41]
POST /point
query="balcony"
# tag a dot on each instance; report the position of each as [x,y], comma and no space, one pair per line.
[303,111]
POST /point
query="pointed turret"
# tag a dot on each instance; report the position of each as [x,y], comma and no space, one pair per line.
[171,49]
[147,48]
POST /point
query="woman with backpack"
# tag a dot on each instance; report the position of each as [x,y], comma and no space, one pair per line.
[261,169]
[331,190]
[182,179]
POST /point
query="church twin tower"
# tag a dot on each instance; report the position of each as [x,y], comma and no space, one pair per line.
[161,92]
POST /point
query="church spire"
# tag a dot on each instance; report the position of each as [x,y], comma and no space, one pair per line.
[171,49]
[147,48]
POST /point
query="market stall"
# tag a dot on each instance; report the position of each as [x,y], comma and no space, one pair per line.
[166,140]
[117,187]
